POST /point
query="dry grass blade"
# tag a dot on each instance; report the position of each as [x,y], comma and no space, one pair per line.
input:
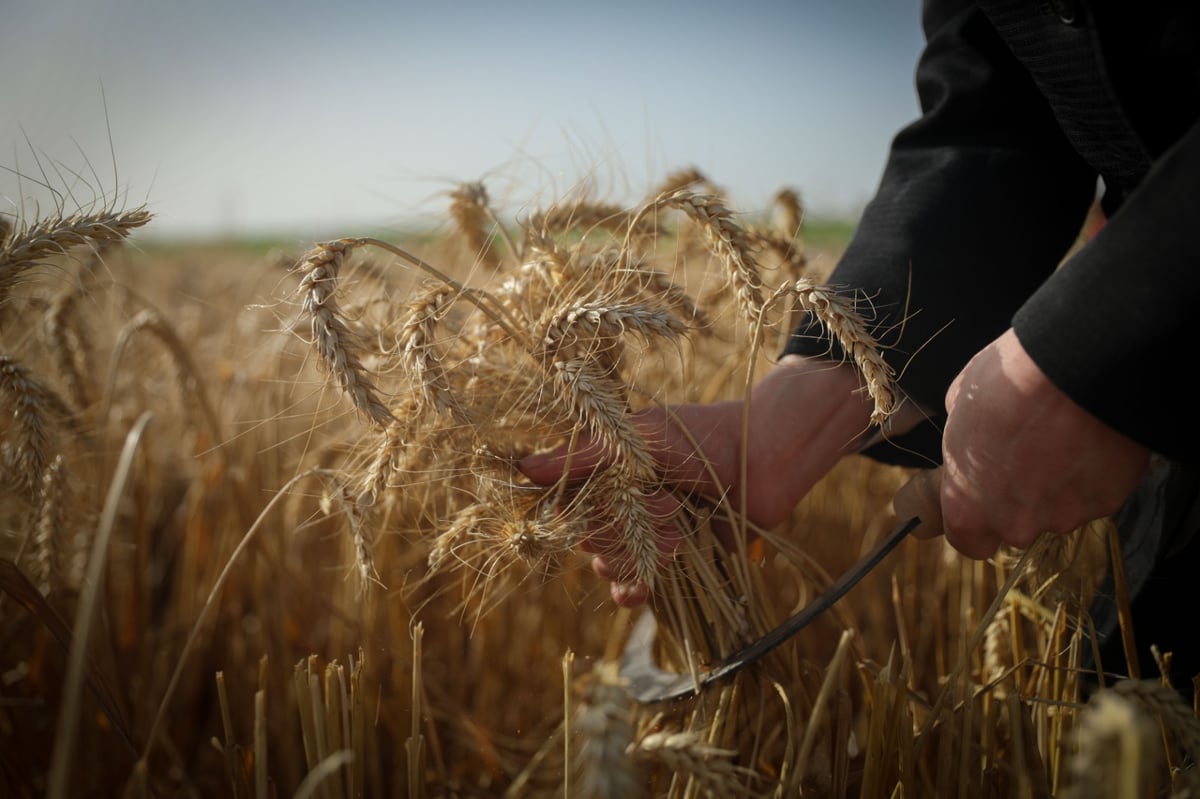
[319,778]
[261,747]
[819,711]
[414,746]
[68,718]
[210,601]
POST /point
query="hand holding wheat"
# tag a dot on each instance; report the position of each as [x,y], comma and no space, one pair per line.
[753,460]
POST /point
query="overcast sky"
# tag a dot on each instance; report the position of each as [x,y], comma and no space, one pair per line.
[313,116]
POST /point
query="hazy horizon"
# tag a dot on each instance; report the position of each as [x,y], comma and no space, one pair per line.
[230,118]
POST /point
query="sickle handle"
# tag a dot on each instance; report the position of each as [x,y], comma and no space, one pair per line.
[921,497]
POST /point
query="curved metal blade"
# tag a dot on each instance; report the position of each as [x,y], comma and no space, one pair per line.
[647,683]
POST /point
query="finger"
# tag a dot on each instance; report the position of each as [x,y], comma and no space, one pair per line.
[573,463]
[963,519]
[663,507]
[977,546]
[682,460]
[629,595]
[921,497]
[606,569]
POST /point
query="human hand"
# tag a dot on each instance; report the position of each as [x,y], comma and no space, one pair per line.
[804,416]
[1022,458]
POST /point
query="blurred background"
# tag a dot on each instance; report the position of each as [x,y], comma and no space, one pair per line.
[242,118]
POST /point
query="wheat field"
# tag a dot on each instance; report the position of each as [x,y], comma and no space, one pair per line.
[263,534]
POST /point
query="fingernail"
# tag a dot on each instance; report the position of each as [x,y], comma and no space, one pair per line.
[629,594]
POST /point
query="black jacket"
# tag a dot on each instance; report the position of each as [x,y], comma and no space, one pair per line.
[1025,103]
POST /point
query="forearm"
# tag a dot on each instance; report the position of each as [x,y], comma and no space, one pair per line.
[1112,328]
[980,199]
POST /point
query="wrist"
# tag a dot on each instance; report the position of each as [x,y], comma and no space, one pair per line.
[804,416]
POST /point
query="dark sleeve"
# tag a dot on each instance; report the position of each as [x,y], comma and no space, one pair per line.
[980,199]
[1112,328]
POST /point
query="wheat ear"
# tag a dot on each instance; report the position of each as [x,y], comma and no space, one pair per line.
[604,729]
[471,209]
[1118,745]
[188,374]
[583,215]
[51,521]
[726,239]
[336,345]
[789,213]
[55,235]
[32,405]
[686,178]
[68,338]
[418,355]
[689,755]
[838,316]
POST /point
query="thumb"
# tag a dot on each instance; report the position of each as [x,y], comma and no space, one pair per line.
[921,497]
[566,461]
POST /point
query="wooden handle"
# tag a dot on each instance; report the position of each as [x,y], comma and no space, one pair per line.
[921,497]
